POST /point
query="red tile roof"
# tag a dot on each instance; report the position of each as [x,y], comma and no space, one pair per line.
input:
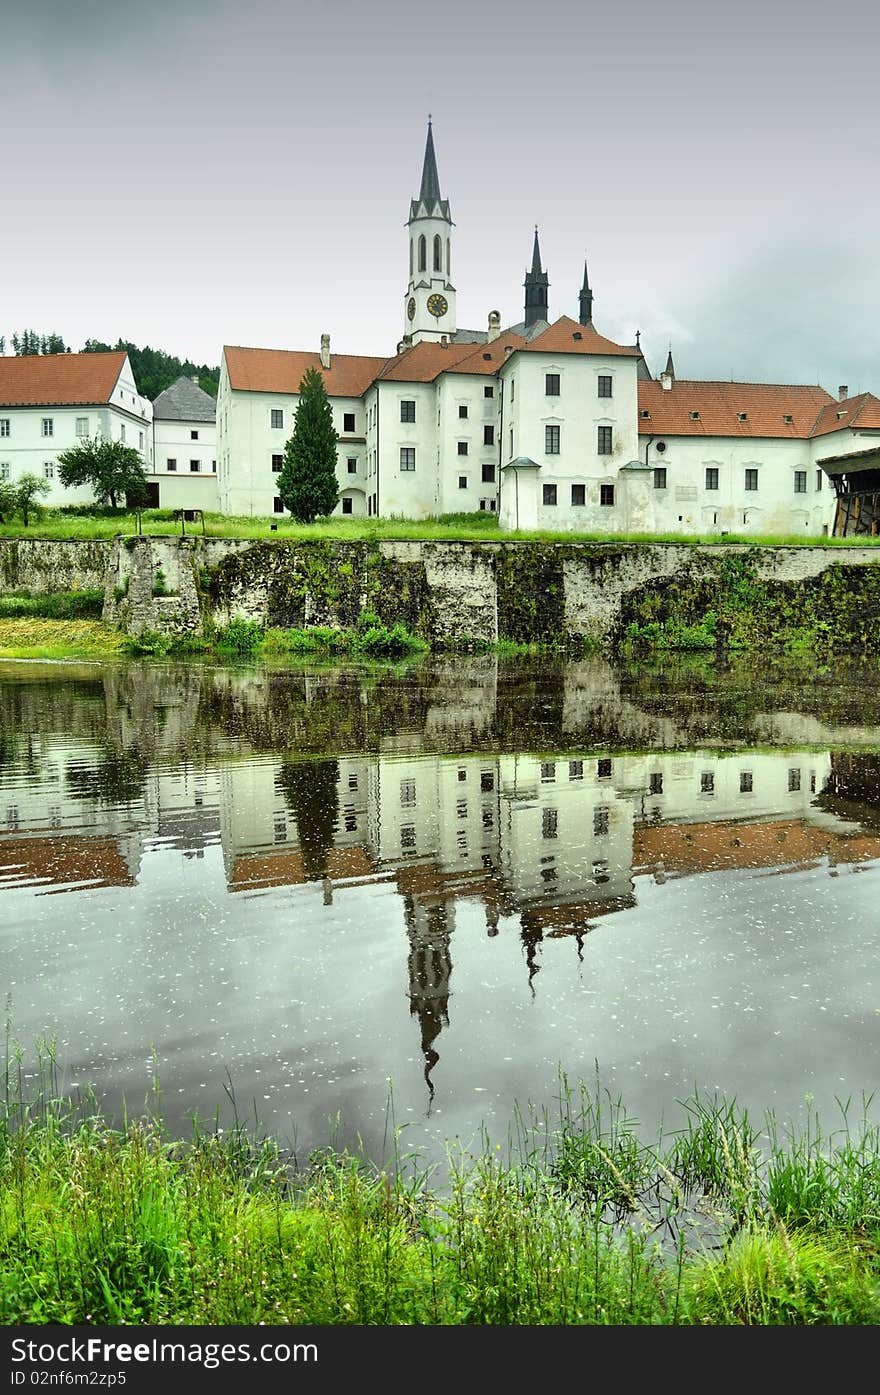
[59,380]
[721,407]
[281,370]
[862,412]
[426,361]
[566,336]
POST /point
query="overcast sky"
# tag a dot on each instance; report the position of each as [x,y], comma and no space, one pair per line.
[203,172]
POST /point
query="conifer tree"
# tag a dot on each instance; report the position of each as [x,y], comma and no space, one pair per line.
[307,484]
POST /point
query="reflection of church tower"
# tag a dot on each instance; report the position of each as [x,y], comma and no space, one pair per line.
[430,295]
[430,969]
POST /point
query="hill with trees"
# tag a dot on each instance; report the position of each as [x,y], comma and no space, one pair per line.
[154,369]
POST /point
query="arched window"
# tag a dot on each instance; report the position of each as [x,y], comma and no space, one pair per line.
[448,263]
[438,253]
[422,253]
[410,256]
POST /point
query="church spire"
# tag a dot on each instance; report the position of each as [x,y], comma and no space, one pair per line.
[430,191]
[586,299]
[536,287]
[670,367]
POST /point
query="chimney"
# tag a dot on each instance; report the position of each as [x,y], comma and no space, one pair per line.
[843,392]
[508,350]
[444,340]
[325,350]
[666,381]
[194,378]
[494,326]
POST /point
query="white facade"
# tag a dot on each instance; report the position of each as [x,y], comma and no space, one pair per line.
[185,465]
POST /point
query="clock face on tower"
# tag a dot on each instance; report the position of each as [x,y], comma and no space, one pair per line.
[437,305]
[411,309]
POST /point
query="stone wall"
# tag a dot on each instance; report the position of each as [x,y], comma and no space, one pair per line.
[447,592]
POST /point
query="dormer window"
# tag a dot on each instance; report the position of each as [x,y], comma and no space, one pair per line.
[645,414]
[577,335]
[694,416]
[742,416]
[788,418]
[841,415]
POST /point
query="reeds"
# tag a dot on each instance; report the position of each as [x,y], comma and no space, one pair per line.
[577,1221]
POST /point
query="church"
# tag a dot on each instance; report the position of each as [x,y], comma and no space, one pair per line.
[547,422]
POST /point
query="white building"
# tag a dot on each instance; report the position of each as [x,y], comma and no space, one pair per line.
[50,402]
[184,464]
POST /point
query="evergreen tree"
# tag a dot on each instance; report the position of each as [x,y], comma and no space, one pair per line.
[26,342]
[113,470]
[307,484]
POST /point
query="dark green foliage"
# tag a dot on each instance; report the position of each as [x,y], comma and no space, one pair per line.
[307,484]
[311,793]
[241,637]
[113,470]
[26,342]
[26,495]
[154,370]
[62,605]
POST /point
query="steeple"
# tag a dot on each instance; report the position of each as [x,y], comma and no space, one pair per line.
[536,287]
[429,304]
[670,367]
[586,300]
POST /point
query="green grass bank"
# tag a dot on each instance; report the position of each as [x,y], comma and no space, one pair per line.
[581,1223]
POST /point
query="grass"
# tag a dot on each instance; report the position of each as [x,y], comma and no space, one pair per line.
[580,1223]
[454,527]
[37,638]
[66,605]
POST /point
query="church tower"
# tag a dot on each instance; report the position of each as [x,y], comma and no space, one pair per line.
[536,284]
[586,301]
[430,297]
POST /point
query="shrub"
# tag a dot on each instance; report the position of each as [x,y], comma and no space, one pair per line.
[240,637]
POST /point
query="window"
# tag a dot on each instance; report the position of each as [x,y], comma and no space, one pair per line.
[193,435]
[49,469]
[423,254]
[575,770]
[48,426]
[606,495]
[548,772]
[800,481]
[461,809]
[407,411]
[140,440]
[488,474]
[512,390]
[171,464]
[82,426]
[751,479]
[604,385]
[655,785]
[694,416]
[276,419]
[280,828]
[488,391]
[348,421]
[351,822]
[407,457]
[818,479]
[407,794]
[488,435]
[578,495]
[549,823]
[511,442]
[745,782]
[408,830]
[660,477]
[551,440]
[194,467]
[711,477]
[462,412]
[707,782]
[603,768]
[352,782]
[742,416]
[549,494]
[277,462]
[787,418]
[487,781]
[213,467]
[277,505]
[604,441]
[601,820]
[462,481]
[462,775]
[438,253]
[347,506]
[352,465]
[551,384]
[462,447]
[121,433]
[794,780]
[4,426]
[5,470]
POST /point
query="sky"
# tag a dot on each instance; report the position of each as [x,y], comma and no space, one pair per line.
[193,173]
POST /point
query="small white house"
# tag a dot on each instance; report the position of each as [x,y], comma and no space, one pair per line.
[50,402]
[184,466]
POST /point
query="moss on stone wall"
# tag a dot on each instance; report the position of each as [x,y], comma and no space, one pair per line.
[531,594]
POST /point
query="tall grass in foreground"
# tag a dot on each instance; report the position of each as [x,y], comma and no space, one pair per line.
[578,1223]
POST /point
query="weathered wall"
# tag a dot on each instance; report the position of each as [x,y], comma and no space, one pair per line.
[449,592]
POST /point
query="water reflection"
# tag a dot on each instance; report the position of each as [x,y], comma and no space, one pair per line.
[233,820]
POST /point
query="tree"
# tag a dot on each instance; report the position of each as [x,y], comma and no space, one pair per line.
[26,342]
[154,370]
[307,484]
[7,500]
[110,467]
[28,491]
